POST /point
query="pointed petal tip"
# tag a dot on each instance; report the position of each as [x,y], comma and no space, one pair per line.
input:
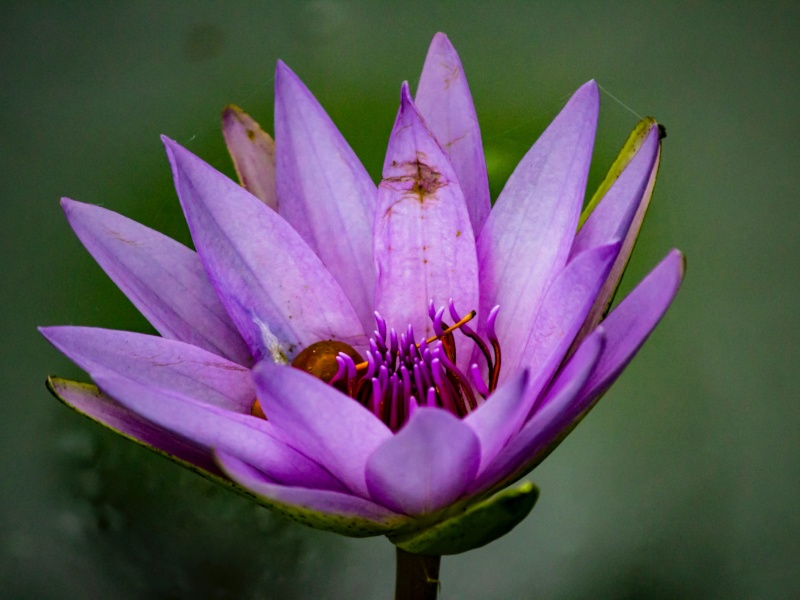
[442,42]
[231,111]
[284,74]
[405,94]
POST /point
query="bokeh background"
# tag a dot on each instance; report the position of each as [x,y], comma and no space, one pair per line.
[683,482]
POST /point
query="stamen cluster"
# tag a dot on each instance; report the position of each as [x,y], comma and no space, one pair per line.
[400,374]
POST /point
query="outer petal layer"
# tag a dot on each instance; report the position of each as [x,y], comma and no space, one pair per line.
[320,421]
[278,293]
[424,246]
[157,362]
[527,237]
[163,279]
[629,324]
[249,438]
[427,465]
[564,310]
[444,100]
[253,154]
[322,509]
[501,416]
[549,424]
[620,213]
[324,191]
[91,402]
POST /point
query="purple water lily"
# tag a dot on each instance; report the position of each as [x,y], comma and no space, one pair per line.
[375,360]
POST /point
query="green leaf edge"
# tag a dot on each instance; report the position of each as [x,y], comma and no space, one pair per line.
[477,526]
[629,150]
[348,526]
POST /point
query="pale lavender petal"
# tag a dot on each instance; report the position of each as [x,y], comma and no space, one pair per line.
[424,246]
[324,191]
[151,360]
[527,237]
[326,425]
[163,278]
[444,99]
[253,154]
[629,324]
[427,465]
[91,402]
[249,438]
[619,215]
[501,416]
[276,290]
[564,310]
[322,509]
[549,424]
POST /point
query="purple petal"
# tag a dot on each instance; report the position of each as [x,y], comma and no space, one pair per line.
[564,310]
[89,401]
[324,191]
[619,215]
[249,438]
[163,279]
[314,417]
[276,290]
[253,154]
[427,465]
[527,237]
[424,246]
[322,509]
[549,424]
[444,100]
[501,416]
[152,360]
[629,324]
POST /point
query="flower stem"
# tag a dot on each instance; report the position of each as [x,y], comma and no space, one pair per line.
[417,576]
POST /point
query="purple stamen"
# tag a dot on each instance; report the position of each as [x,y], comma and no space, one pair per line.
[477,380]
[400,375]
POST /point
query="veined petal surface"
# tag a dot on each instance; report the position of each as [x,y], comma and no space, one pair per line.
[629,324]
[620,213]
[537,436]
[151,360]
[427,465]
[444,99]
[94,404]
[320,421]
[527,237]
[324,191]
[163,278]
[564,310]
[276,290]
[501,415]
[424,246]
[324,509]
[249,438]
[253,154]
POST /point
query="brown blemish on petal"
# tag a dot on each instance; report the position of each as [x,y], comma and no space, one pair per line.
[419,181]
[453,73]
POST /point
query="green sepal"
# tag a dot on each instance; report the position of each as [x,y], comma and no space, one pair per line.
[350,526]
[629,150]
[480,524]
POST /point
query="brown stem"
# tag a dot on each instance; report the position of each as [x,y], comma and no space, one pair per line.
[417,576]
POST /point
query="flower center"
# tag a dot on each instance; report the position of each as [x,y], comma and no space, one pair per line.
[400,374]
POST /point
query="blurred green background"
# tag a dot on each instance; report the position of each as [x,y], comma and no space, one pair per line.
[683,482]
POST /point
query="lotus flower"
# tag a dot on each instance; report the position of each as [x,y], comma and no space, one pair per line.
[375,360]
